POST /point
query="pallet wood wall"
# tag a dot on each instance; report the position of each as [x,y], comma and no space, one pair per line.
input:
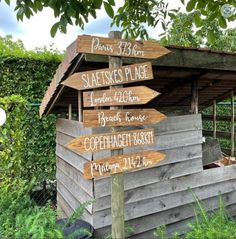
[154,196]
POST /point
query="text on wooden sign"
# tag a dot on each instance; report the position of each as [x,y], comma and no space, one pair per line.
[110,141]
[121,96]
[122,163]
[118,47]
[108,77]
[108,118]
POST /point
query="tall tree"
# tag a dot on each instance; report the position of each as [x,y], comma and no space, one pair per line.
[133,16]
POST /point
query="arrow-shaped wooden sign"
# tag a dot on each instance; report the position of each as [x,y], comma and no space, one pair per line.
[127,117]
[107,77]
[122,163]
[137,95]
[119,47]
[109,141]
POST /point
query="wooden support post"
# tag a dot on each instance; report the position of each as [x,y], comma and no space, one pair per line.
[214,119]
[79,106]
[117,183]
[194,93]
[232,124]
[70,112]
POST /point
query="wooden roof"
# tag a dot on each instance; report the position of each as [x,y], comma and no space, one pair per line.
[173,75]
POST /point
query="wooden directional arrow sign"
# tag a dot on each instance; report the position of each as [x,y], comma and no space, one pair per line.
[108,118]
[118,47]
[122,163]
[107,77]
[121,96]
[109,141]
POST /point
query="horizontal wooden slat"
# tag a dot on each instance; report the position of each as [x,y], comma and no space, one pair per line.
[165,202]
[72,202]
[71,157]
[219,134]
[75,175]
[171,216]
[170,186]
[135,180]
[218,117]
[75,190]
[163,143]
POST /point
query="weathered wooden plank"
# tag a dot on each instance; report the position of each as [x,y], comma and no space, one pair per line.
[67,209]
[161,203]
[72,202]
[70,157]
[219,134]
[109,141]
[72,127]
[141,178]
[63,139]
[180,226]
[122,163]
[76,175]
[171,216]
[119,47]
[218,118]
[166,187]
[75,190]
[163,142]
[148,191]
[107,77]
[173,125]
[186,58]
[137,95]
[108,118]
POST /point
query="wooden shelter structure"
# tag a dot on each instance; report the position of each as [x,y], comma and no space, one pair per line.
[188,79]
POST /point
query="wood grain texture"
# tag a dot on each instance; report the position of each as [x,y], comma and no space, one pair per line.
[118,47]
[108,118]
[74,188]
[70,172]
[137,95]
[72,202]
[109,141]
[122,163]
[134,180]
[110,76]
[161,203]
[171,216]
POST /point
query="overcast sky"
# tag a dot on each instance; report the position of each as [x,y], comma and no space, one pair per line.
[35,32]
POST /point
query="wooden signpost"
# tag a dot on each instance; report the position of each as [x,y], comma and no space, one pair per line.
[107,77]
[122,163]
[111,141]
[109,118]
[137,95]
[114,78]
[119,47]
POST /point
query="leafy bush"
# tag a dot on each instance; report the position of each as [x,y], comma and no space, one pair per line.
[20,218]
[28,74]
[208,225]
[12,136]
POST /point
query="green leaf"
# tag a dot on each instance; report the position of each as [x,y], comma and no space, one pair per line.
[222,22]
[197,20]
[7,2]
[211,37]
[109,10]
[112,2]
[190,6]
[97,4]
[54,29]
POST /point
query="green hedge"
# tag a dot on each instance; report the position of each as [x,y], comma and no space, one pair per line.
[29,78]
